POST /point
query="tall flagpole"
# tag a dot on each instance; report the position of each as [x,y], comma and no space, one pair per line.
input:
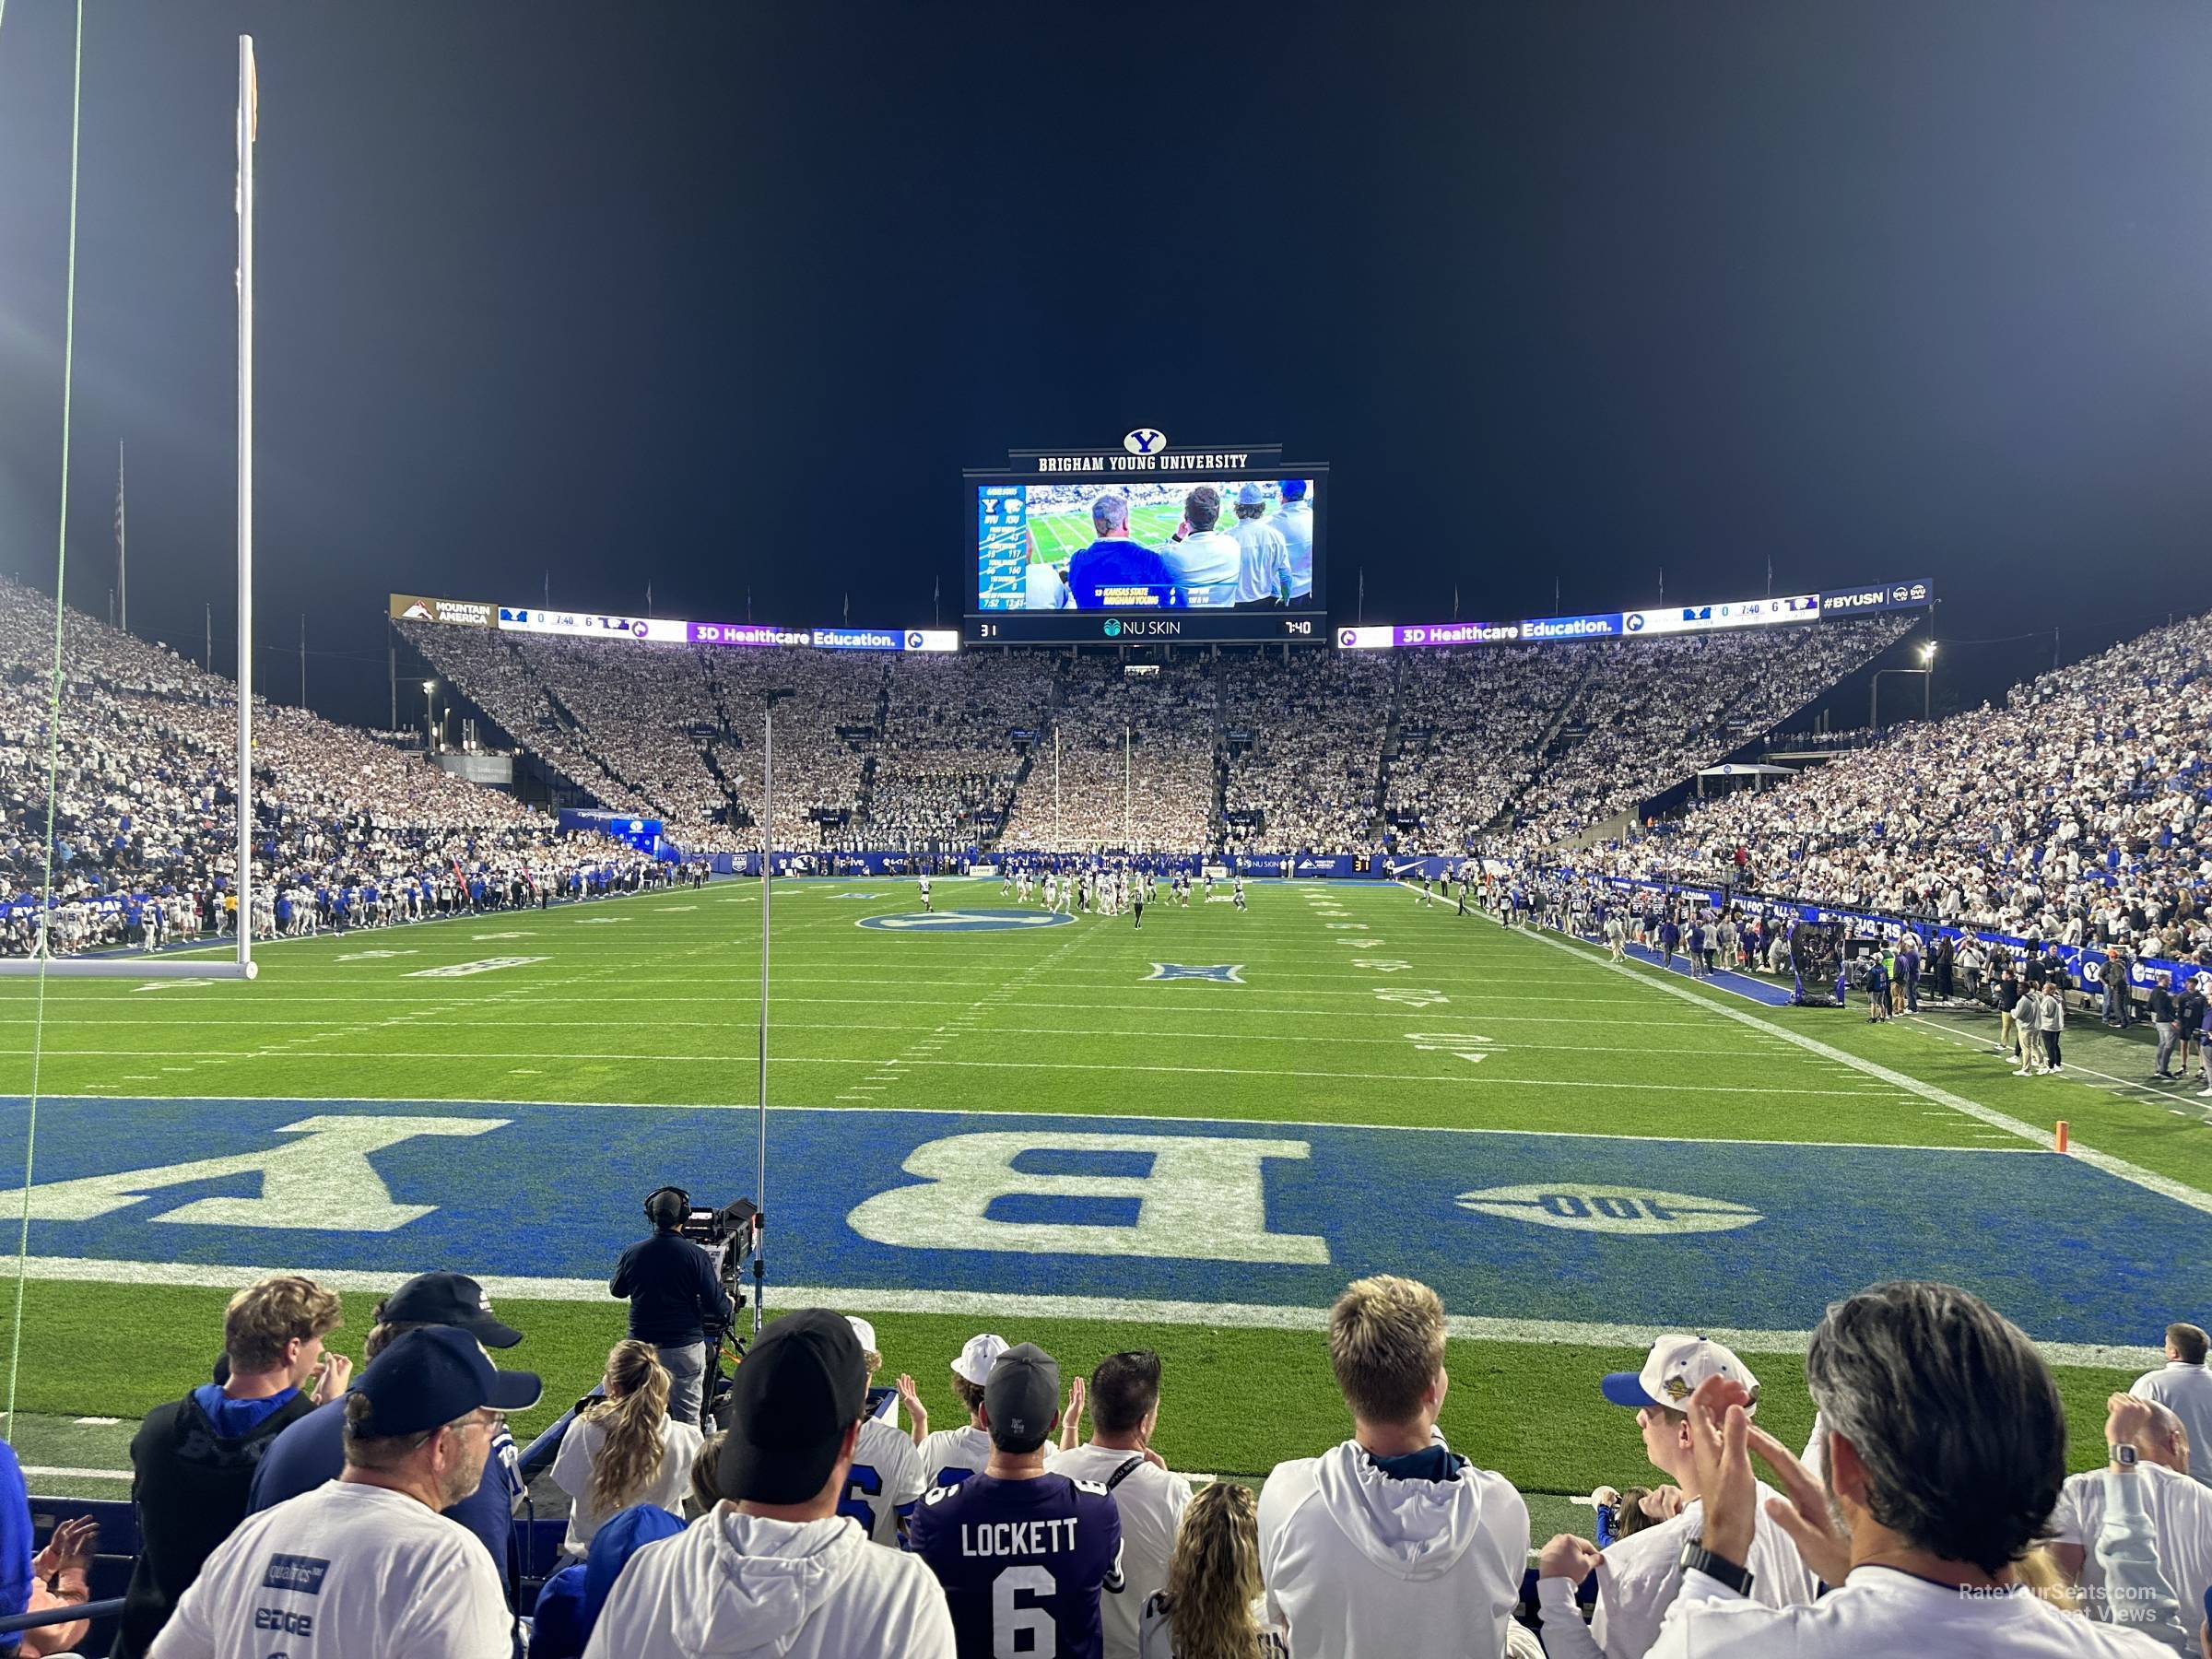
[767,863]
[248,100]
[123,581]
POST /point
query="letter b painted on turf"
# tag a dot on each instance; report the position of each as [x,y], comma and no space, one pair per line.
[1204,1199]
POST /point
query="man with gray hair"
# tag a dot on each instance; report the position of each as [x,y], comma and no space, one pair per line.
[1115,563]
[1943,1447]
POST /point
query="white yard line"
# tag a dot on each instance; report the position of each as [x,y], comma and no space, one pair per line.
[2151,1180]
[998,1305]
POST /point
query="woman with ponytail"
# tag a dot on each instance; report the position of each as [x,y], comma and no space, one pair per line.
[1211,1606]
[625,1448]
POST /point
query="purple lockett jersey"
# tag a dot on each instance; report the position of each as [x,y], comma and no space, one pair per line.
[1023,1563]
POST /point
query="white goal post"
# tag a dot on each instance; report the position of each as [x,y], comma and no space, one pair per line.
[242,967]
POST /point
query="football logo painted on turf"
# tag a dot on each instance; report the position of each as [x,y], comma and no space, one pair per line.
[1145,442]
[1586,1207]
[966,921]
[1220,973]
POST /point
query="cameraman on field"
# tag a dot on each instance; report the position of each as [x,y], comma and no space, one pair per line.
[675,1298]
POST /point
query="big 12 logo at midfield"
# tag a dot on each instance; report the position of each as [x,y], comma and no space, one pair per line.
[1145,442]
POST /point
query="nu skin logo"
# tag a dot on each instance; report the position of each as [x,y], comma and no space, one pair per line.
[1145,442]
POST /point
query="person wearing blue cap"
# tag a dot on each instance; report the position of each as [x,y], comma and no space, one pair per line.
[365,1566]
[1263,556]
[312,1450]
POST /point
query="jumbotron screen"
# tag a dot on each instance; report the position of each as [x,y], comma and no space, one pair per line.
[1163,546]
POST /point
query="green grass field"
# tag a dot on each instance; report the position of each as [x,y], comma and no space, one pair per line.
[1061,536]
[1407,1049]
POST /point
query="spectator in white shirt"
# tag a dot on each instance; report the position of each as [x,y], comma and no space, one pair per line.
[2184,1387]
[775,1568]
[624,1448]
[1943,1446]
[1124,1410]
[1638,1576]
[365,1566]
[951,1456]
[1391,1545]
[2150,1443]
[1205,559]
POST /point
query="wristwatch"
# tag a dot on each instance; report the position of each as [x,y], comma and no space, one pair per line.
[2124,1455]
[1696,1557]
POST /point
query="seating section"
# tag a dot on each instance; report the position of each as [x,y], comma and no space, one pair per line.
[2084,802]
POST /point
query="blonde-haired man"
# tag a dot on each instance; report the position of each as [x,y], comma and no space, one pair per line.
[192,1460]
[1391,1544]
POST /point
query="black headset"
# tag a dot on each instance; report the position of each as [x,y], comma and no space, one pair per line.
[682,1197]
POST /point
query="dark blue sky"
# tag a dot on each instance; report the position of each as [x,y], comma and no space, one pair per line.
[724,297]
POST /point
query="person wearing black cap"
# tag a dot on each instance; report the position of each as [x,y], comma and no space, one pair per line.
[774,1569]
[1023,1554]
[365,1567]
[312,1450]
[674,1297]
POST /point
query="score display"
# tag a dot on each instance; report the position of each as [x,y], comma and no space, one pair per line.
[1222,555]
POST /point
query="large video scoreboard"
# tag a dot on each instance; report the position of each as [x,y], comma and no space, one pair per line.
[1146,544]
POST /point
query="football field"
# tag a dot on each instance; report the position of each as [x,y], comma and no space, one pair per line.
[1061,536]
[1188,1137]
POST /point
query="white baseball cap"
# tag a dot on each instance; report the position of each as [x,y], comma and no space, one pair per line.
[1671,1374]
[977,1359]
[864,1331]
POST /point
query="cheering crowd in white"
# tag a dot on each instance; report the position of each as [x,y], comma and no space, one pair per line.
[2078,810]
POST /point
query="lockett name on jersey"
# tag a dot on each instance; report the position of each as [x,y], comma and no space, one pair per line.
[1017,1538]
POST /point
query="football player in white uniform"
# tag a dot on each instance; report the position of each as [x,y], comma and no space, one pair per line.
[925,904]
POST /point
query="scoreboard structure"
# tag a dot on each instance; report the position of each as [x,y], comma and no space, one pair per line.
[1147,544]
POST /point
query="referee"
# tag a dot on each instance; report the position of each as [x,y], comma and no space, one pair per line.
[1137,889]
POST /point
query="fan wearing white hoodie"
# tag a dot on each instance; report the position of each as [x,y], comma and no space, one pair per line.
[1391,1544]
[774,1570]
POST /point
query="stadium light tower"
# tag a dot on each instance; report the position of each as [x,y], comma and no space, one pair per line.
[1927,678]
[429,741]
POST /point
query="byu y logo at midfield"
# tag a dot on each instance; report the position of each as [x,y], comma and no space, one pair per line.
[966,921]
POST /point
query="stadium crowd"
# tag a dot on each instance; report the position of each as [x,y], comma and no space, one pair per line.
[2080,811]
[346,827]
[1306,777]
[808,1513]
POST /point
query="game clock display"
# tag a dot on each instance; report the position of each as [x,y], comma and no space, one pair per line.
[1218,557]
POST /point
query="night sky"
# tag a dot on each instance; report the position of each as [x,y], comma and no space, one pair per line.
[724,297]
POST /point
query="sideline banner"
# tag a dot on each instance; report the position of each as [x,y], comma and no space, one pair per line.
[2082,963]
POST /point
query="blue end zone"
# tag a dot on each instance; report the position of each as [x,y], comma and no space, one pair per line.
[1559,1228]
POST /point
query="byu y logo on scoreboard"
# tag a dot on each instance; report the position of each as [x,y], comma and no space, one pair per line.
[1145,442]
